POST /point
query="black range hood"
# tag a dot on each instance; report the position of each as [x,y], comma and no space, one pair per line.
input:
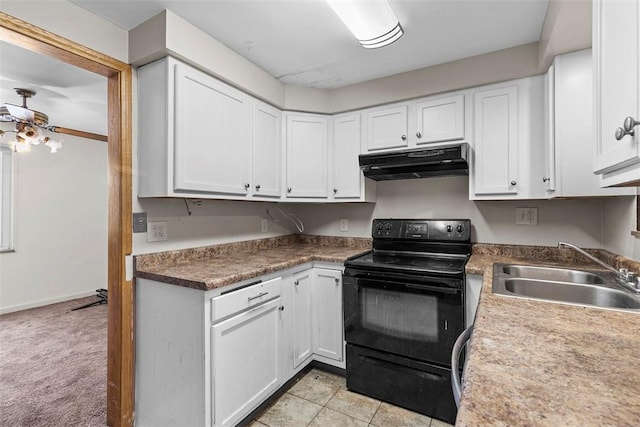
[416,163]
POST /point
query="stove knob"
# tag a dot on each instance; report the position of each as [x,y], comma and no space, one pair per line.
[379,226]
[388,226]
[449,229]
[459,228]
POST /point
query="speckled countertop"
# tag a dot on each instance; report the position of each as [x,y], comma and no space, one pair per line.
[533,363]
[215,266]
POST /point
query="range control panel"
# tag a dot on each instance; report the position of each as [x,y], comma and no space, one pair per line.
[456,230]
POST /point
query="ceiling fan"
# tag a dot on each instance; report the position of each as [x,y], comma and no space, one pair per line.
[30,125]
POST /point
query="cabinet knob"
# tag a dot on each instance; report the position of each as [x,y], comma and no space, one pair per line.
[258,187]
[297,282]
[621,133]
[246,186]
[513,183]
[419,135]
[337,280]
[335,190]
[403,137]
[545,179]
[289,190]
[281,308]
[630,123]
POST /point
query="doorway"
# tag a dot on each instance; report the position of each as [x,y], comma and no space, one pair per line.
[120,350]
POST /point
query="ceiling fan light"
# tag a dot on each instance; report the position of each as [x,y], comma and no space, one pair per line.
[372,22]
[52,144]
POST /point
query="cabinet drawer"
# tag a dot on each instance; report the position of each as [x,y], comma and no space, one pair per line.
[236,301]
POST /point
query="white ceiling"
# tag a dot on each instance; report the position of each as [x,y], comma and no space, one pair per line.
[302,42]
[70,96]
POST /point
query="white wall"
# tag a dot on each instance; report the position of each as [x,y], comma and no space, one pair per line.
[576,221]
[618,219]
[60,228]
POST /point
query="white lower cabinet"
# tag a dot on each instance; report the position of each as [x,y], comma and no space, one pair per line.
[245,352]
[208,359]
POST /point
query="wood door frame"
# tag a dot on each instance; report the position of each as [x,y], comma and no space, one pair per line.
[120,353]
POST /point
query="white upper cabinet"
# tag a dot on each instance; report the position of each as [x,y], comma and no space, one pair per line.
[387,128]
[212,134]
[347,177]
[569,160]
[440,120]
[267,141]
[307,155]
[616,50]
[508,139]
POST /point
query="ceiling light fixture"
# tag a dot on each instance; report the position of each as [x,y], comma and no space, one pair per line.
[31,124]
[372,22]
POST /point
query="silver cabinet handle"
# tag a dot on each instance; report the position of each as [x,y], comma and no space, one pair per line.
[403,137]
[630,123]
[260,295]
[297,282]
[513,183]
[281,308]
[335,190]
[337,280]
[545,179]
[289,190]
[419,135]
[258,187]
[621,133]
[246,186]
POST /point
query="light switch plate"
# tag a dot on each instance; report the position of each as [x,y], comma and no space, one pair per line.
[527,216]
[139,222]
[344,224]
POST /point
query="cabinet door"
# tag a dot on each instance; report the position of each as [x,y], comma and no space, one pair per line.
[307,156]
[266,150]
[549,177]
[440,120]
[387,128]
[347,176]
[327,309]
[496,144]
[212,134]
[245,355]
[302,336]
[616,48]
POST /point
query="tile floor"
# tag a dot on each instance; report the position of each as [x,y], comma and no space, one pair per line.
[321,399]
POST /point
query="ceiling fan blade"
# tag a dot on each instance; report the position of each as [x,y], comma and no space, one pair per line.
[20,113]
[75,132]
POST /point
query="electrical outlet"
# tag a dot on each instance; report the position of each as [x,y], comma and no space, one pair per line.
[157,231]
[344,224]
[264,225]
[527,216]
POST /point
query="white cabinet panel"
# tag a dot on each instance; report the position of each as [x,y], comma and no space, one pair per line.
[496,144]
[212,134]
[266,150]
[327,309]
[246,357]
[440,120]
[302,317]
[307,155]
[387,128]
[347,177]
[616,47]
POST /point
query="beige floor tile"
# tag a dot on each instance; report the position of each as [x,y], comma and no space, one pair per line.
[438,423]
[354,405]
[333,379]
[315,387]
[329,418]
[390,415]
[290,411]
[255,423]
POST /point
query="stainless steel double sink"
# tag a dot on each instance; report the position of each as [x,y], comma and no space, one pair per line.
[579,287]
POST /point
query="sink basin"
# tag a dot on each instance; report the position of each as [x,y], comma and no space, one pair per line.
[563,285]
[554,274]
[573,293]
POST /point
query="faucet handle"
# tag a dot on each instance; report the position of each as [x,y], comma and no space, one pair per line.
[632,277]
[623,271]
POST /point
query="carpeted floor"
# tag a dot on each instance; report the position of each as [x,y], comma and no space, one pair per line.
[53,366]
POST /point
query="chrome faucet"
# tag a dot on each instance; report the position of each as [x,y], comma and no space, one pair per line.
[626,278]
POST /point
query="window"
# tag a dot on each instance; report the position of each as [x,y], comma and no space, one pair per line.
[5,198]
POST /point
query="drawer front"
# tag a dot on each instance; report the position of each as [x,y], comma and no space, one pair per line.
[236,301]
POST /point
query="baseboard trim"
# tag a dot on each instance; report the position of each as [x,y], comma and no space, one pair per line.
[35,304]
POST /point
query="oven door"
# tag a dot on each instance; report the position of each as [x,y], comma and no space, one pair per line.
[405,314]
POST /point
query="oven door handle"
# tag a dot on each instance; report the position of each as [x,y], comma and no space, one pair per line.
[432,288]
